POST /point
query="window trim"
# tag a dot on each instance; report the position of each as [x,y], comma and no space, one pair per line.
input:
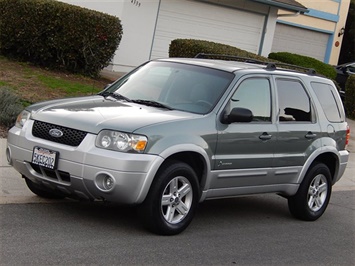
[271,91]
[337,101]
[313,119]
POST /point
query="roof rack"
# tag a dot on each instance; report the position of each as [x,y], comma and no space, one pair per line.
[269,65]
[229,57]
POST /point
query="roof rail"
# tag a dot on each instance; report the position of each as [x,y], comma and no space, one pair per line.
[274,65]
[269,65]
[229,57]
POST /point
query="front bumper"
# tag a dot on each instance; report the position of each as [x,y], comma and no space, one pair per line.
[81,169]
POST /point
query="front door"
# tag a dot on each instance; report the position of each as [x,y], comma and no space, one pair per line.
[245,151]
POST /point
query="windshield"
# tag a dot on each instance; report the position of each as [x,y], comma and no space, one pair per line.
[173,86]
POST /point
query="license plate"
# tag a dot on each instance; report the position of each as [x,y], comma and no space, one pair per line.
[44,157]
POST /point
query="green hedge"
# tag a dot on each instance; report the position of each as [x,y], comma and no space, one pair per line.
[350,96]
[189,48]
[58,35]
[305,61]
[10,107]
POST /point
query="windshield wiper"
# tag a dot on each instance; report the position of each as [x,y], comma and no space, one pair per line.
[115,95]
[153,103]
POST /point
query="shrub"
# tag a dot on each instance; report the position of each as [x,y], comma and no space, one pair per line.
[10,107]
[190,48]
[305,61]
[58,35]
[350,96]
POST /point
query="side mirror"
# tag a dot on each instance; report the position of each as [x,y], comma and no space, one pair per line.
[345,70]
[237,114]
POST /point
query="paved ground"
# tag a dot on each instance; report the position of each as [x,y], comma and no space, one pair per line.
[14,190]
[256,231]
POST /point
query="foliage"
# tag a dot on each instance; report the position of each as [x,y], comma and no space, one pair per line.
[10,107]
[350,96]
[58,35]
[305,61]
[347,53]
[190,48]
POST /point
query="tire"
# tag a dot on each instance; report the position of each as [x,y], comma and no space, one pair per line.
[172,199]
[312,197]
[42,192]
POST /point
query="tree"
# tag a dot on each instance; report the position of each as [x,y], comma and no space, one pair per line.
[347,53]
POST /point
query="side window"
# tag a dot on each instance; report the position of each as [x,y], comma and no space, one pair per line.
[254,94]
[294,103]
[327,99]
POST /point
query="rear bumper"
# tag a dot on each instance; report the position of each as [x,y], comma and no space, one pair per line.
[343,161]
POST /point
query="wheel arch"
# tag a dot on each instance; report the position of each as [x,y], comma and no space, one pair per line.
[196,161]
[331,161]
[329,157]
[195,156]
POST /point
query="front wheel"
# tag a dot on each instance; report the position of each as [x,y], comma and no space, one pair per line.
[172,200]
[312,198]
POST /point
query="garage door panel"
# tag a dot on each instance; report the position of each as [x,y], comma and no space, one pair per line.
[196,20]
[300,41]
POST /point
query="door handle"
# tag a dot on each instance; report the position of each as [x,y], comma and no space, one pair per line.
[265,136]
[310,135]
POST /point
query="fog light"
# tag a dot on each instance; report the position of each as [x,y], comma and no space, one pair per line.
[108,182]
[105,182]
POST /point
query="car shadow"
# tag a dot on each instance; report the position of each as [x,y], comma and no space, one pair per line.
[211,214]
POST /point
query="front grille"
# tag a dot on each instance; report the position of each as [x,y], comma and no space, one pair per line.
[52,174]
[71,137]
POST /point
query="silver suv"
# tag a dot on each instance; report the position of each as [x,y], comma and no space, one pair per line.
[175,132]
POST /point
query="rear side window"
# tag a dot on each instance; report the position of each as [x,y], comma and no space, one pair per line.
[294,102]
[327,99]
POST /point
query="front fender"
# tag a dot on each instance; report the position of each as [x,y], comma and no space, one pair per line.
[169,152]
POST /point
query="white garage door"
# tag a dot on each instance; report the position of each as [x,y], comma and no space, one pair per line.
[195,20]
[300,41]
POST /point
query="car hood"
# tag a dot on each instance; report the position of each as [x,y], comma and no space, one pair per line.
[94,113]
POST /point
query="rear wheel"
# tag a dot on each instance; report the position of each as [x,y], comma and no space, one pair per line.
[312,198]
[42,192]
[172,200]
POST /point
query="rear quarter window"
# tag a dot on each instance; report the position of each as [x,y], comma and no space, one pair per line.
[329,101]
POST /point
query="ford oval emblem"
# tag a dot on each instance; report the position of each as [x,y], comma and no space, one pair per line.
[56,133]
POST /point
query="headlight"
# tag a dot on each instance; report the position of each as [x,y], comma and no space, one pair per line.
[120,141]
[22,118]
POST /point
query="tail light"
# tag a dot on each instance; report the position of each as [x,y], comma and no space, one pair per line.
[347,136]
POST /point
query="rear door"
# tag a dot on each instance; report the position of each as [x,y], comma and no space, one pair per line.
[297,125]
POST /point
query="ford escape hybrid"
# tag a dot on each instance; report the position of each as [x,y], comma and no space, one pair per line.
[175,132]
